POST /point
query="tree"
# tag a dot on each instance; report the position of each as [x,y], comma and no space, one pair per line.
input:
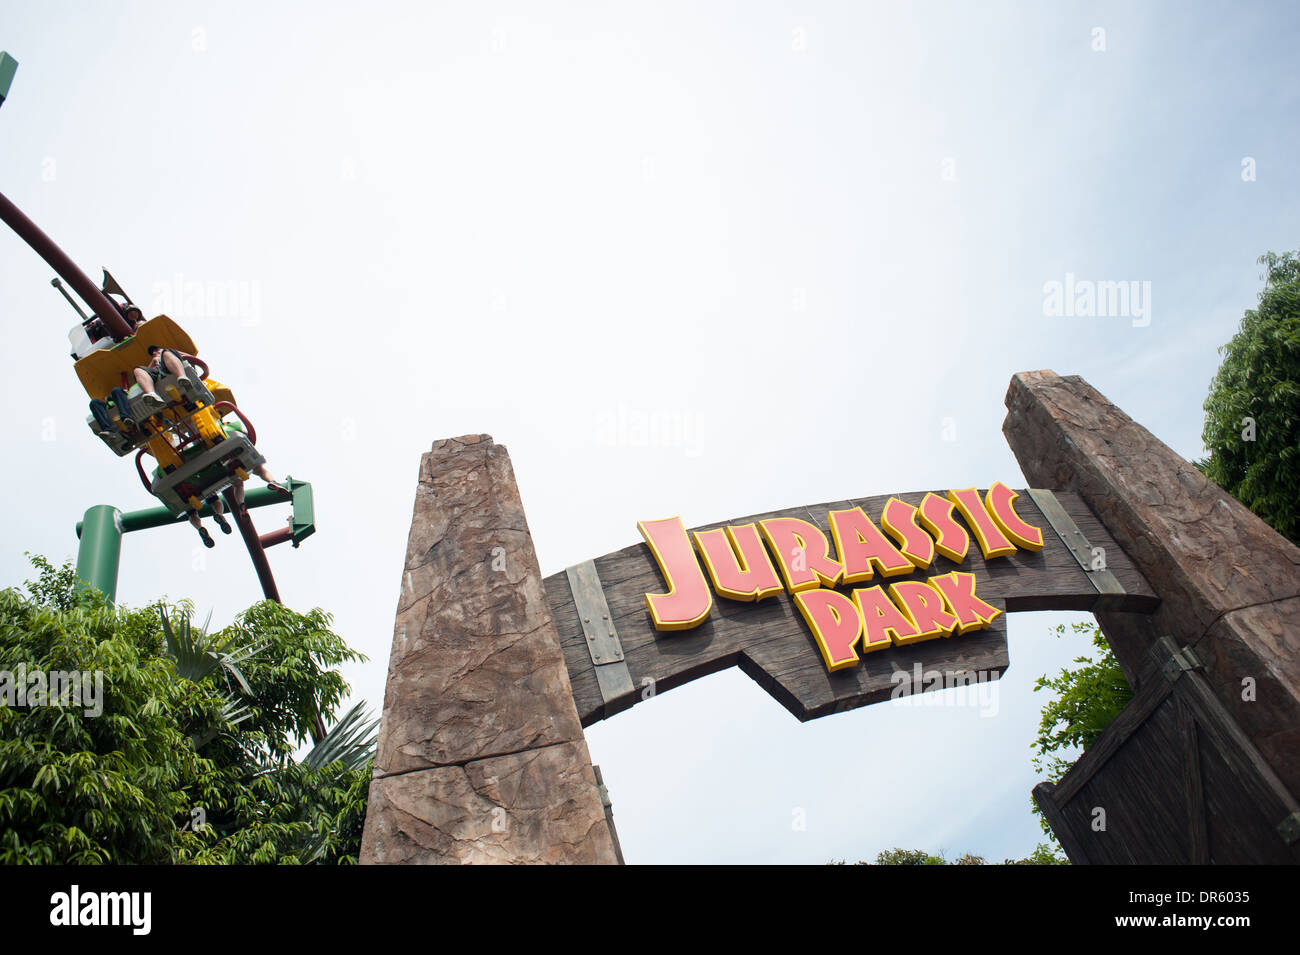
[173,745]
[1252,414]
[1042,855]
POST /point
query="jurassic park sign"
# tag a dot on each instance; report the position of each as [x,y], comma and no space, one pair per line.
[741,561]
[828,606]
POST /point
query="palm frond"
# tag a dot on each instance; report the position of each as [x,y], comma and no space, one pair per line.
[351,741]
[196,655]
[233,712]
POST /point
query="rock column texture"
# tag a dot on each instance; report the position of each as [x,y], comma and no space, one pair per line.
[481,758]
[1229,584]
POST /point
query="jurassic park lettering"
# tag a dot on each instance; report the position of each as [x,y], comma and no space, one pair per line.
[739,565]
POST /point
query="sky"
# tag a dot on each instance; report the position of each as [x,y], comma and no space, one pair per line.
[700,259]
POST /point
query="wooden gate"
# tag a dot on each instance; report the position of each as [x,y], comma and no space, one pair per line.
[1172,781]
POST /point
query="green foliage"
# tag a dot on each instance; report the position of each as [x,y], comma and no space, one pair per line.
[194,655]
[1087,701]
[1260,379]
[54,586]
[1042,855]
[191,758]
[293,674]
[908,857]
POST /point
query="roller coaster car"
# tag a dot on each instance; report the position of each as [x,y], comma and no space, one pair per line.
[198,455]
[205,471]
[180,397]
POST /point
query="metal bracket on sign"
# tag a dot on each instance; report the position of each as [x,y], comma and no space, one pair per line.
[598,627]
[1109,590]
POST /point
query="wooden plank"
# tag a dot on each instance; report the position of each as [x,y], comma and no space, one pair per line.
[771,642]
[1238,830]
[1197,833]
[1220,732]
[1146,815]
[1075,850]
[1128,722]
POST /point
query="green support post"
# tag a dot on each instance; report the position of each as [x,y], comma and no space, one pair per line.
[100,551]
[8,66]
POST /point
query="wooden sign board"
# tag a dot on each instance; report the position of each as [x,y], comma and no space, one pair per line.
[1079,568]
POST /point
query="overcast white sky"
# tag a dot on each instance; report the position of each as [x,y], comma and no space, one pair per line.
[562,224]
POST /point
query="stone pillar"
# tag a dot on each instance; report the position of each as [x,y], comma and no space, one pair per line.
[481,757]
[1229,584]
